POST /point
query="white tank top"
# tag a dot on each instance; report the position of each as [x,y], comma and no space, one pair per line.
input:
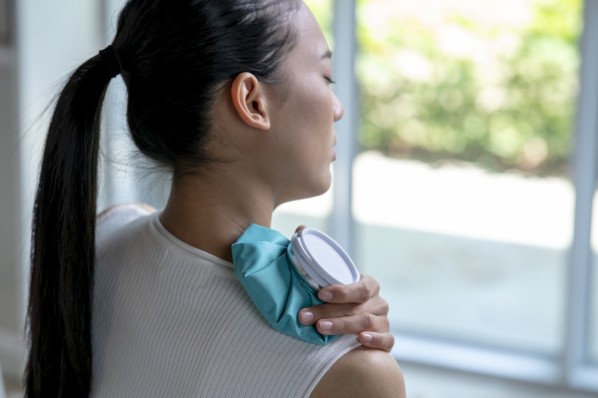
[170,320]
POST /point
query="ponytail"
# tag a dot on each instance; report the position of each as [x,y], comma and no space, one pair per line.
[63,239]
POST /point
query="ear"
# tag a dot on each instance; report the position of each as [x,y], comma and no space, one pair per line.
[250,102]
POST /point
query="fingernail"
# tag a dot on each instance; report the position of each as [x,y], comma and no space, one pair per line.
[306,317]
[325,325]
[367,337]
[325,295]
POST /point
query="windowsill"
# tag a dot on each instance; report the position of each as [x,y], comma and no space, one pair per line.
[486,362]
[585,378]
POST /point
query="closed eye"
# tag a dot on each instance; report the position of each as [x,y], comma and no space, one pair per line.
[329,80]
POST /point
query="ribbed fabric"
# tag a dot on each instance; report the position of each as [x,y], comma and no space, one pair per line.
[172,321]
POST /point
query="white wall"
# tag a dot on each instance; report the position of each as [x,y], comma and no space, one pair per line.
[10,244]
[52,38]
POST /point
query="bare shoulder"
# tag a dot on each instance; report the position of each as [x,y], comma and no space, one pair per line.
[362,372]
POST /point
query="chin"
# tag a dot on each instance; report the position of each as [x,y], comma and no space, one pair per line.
[323,185]
[316,188]
[319,189]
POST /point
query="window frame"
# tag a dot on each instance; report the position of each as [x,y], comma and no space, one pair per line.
[570,371]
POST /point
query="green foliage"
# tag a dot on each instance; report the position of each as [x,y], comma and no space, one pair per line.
[500,93]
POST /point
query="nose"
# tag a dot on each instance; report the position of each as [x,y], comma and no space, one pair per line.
[338,108]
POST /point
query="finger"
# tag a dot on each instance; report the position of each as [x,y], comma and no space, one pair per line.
[299,228]
[375,306]
[353,324]
[307,316]
[310,315]
[358,292]
[380,341]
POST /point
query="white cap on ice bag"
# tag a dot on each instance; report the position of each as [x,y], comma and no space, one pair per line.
[320,260]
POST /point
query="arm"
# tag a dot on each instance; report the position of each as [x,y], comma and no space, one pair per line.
[362,373]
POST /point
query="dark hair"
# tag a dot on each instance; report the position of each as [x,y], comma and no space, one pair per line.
[175,56]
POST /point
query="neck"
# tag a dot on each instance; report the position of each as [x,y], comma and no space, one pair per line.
[212,214]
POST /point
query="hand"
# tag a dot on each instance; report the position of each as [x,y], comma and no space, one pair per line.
[352,309]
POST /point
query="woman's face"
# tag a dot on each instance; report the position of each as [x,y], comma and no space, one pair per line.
[304,121]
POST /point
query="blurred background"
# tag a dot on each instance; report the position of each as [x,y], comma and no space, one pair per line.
[464,181]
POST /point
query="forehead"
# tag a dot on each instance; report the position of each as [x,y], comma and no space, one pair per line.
[310,38]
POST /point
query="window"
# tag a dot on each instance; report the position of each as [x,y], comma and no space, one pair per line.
[476,151]
[461,189]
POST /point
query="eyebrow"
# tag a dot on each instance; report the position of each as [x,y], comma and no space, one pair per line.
[327,55]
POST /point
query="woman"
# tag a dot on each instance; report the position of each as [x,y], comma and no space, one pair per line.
[233,97]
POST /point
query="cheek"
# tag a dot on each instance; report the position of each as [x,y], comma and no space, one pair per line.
[307,119]
[313,99]
[318,119]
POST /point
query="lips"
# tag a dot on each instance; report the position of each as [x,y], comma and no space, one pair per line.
[334,148]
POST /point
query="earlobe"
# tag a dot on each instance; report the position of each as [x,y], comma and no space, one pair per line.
[249,101]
